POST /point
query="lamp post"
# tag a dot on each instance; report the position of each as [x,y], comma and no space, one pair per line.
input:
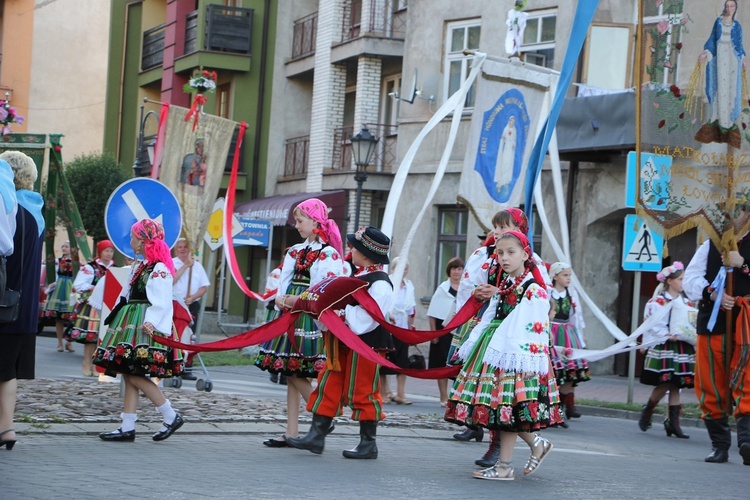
[363,147]
[138,164]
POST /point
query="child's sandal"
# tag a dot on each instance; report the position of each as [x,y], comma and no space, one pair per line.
[502,471]
[534,462]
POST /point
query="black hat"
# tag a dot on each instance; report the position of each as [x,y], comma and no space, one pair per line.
[371,243]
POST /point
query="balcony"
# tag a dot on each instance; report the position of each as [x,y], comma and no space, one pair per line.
[305,34]
[382,34]
[385,154]
[152,53]
[387,19]
[297,150]
[218,37]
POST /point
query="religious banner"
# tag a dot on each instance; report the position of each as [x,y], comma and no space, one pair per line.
[192,166]
[695,113]
[510,103]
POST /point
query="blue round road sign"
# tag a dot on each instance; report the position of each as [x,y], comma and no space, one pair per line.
[137,199]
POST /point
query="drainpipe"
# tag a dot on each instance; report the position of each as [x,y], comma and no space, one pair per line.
[122,76]
[258,134]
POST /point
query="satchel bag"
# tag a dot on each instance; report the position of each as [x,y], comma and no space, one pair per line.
[417,361]
[10,305]
[10,302]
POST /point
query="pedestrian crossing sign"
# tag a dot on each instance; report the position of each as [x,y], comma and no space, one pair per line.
[641,247]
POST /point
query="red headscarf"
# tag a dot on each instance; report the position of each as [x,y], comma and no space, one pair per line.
[519,218]
[103,245]
[530,263]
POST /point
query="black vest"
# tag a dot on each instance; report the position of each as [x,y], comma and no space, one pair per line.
[379,338]
[741,287]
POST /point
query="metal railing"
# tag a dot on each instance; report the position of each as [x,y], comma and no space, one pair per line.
[385,154]
[305,34]
[191,32]
[296,156]
[227,29]
[387,19]
[152,55]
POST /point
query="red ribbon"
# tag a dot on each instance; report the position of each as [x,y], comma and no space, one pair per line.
[338,328]
[194,112]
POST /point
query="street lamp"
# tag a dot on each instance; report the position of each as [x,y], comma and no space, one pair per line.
[363,147]
[138,164]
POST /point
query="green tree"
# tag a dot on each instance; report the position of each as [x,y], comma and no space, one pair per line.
[92,178]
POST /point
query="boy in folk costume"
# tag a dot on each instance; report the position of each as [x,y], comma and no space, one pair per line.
[349,378]
[712,369]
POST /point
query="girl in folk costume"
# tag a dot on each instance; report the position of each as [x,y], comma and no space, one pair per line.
[670,365]
[565,333]
[481,278]
[85,325]
[58,304]
[349,379]
[506,383]
[305,264]
[128,347]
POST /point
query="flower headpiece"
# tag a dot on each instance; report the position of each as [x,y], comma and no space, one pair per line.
[669,271]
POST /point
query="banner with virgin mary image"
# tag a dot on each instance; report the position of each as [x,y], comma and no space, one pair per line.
[695,141]
[192,166]
[510,101]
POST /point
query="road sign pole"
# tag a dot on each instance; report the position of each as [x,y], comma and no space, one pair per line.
[634,314]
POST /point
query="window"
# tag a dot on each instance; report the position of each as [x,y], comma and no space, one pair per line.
[451,240]
[459,37]
[538,45]
[222,101]
[607,61]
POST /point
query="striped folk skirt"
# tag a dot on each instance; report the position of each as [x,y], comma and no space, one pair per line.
[672,362]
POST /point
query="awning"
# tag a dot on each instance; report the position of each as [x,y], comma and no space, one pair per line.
[279,209]
[601,123]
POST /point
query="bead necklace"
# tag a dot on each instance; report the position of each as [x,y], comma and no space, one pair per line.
[508,286]
[137,273]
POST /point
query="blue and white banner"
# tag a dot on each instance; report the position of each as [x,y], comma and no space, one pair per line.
[508,109]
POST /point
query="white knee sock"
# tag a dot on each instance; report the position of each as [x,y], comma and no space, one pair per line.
[167,412]
[128,421]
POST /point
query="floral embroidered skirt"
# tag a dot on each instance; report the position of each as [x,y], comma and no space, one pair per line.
[126,349]
[58,304]
[84,327]
[461,334]
[303,358]
[564,338]
[672,362]
[510,401]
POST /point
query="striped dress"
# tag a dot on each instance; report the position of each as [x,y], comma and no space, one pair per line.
[671,362]
[506,382]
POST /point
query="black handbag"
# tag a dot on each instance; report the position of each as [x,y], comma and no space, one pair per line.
[10,306]
[417,361]
[10,302]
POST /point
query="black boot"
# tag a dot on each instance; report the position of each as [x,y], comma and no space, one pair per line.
[493,452]
[672,423]
[314,440]
[570,406]
[648,409]
[367,448]
[469,434]
[743,437]
[721,439]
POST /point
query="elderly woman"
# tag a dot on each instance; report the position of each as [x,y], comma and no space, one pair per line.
[18,339]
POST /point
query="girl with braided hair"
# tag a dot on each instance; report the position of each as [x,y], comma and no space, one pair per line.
[128,347]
